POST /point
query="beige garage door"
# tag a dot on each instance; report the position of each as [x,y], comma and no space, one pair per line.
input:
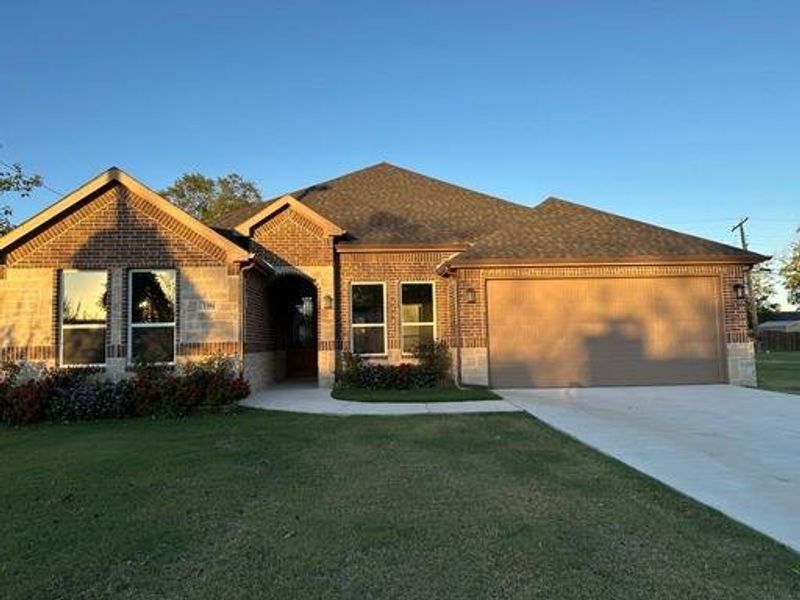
[626,331]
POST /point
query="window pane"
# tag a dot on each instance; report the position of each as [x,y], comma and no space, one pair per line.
[84,346]
[153,297]
[84,297]
[367,303]
[368,340]
[414,335]
[417,302]
[153,344]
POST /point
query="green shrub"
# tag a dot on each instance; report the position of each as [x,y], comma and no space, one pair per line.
[9,374]
[356,372]
[435,357]
[89,400]
[25,403]
[210,384]
[65,395]
[350,375]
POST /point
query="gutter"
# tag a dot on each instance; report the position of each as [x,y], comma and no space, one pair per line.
[487,263]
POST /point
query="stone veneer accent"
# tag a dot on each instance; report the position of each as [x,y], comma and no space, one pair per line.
[742,364]
[115,230]
[474,366]
[27,315]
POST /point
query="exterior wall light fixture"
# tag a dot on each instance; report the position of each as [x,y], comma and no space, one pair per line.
[471,296]
[738,291]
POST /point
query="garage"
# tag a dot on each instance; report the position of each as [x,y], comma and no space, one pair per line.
[605,331]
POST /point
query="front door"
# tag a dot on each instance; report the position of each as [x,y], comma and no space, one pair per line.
[301,351]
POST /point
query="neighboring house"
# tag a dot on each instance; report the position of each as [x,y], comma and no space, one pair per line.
[374,262]
[786,321]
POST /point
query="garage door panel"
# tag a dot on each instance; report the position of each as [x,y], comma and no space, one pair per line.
[608,331]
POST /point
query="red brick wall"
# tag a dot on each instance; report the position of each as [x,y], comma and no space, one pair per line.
[258,334]
[393,268]
[288,238]
[473,316]
[115,228]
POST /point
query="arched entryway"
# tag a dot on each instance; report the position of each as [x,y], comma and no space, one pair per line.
[293,316]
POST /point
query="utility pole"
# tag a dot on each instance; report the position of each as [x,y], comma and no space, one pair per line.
[751,301]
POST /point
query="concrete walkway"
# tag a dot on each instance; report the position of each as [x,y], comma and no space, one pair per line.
[735,449]
[318,401]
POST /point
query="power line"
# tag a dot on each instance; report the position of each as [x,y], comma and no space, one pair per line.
[44,185]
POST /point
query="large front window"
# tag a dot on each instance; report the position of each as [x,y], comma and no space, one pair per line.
[84,302]
[417,315]
[368,318]
[151,315]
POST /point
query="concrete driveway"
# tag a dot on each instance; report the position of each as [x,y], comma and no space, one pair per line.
[733,448]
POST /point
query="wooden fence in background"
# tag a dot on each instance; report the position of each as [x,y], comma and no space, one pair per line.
[779,341]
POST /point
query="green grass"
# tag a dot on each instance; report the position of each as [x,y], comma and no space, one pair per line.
[273,505]
[415,395]
[779,371]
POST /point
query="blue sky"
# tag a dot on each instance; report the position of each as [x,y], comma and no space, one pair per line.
[684,114]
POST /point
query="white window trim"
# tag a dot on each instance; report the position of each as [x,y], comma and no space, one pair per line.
[385,325]
[132,325]
[62,326]
[415,323]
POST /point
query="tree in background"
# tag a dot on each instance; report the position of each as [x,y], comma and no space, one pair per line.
[14,180]
[207,198]
[790,272]
[763,286]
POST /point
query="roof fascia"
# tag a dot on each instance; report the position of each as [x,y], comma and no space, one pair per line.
[330,228]
[112,175]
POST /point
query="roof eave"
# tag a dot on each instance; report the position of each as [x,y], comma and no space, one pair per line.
[466,262]
[234,253]
[245,227]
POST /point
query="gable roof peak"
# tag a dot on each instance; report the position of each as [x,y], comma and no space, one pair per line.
[117,175]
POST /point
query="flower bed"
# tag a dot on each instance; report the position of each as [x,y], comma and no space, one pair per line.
[432,369]
[65,395]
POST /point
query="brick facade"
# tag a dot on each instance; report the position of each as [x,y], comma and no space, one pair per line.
[116,230]
[393,268]
[287,238]
[296,247]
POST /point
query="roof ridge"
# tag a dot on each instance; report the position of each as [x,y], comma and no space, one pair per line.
[337,178]
[557,200]
[457,186]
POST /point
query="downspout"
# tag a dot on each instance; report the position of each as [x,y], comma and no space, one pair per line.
[457,331]
[445,270]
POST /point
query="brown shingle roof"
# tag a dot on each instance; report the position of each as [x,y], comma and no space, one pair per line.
[385,204]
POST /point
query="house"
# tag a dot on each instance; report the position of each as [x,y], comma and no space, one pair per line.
[373,262]
[785,321]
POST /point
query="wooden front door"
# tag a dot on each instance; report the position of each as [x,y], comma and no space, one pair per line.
[301,351]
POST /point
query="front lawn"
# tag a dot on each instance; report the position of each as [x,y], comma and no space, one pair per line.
[779,371]
[273,505]
[443,394]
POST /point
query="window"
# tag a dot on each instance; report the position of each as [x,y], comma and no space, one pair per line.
[83,311]
[151,316]
[368,318]
[417,316]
